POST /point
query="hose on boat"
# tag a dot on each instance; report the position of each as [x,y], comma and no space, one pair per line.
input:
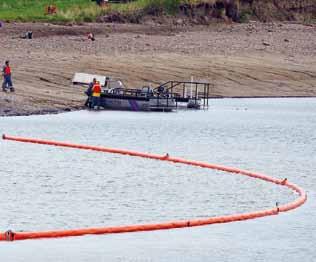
[302,197]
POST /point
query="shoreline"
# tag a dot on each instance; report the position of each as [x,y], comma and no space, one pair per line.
[75,109]
[41,112]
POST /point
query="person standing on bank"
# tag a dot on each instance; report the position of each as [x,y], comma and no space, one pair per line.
[7,81]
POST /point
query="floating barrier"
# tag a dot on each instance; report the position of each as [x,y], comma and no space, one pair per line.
[12,236]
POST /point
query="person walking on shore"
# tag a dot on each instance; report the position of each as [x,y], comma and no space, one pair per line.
[7,81]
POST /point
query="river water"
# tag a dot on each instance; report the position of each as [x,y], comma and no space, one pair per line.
[43,187]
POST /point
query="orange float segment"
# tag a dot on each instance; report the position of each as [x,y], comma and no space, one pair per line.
[138,228]
[2,237]
[11,236]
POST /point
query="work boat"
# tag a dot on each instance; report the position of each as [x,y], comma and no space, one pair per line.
[165,97]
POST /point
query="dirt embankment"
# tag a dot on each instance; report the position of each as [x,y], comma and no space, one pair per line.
[241,60]
[218,10]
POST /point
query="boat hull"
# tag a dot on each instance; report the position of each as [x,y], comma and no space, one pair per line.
[137,104]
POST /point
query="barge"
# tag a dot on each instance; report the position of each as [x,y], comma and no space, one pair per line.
[166,97]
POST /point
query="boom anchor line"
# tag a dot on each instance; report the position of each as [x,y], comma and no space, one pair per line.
[277,209]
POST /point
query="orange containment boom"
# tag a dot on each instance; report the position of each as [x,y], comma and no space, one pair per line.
[11,236]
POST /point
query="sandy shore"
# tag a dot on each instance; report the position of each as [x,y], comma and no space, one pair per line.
[241,60]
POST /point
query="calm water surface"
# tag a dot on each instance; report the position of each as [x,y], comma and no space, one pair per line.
[44,187]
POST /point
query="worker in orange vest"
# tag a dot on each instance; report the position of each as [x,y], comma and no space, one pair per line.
[7,81]
[96,95]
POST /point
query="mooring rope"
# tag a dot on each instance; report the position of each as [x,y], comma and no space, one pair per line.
[11,236]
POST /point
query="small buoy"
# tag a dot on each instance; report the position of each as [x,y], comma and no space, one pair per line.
[9,235]
[166,156]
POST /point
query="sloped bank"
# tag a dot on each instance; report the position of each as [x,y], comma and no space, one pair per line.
[205,12]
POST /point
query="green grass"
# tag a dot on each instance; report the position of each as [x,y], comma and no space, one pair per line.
[78,10]
[34,10]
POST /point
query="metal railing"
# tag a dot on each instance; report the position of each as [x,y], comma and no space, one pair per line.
[186,91]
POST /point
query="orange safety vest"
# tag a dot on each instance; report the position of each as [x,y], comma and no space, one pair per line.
[7,70]
[96,89]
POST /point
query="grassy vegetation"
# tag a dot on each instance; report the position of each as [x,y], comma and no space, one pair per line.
[78,10]
[34,10]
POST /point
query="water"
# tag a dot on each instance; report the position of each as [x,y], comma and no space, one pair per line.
[44,187]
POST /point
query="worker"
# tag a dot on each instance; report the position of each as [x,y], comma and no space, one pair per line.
[107,82]
[7,81]
[88,92]
[91,36]
[27,35]
[96,95]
